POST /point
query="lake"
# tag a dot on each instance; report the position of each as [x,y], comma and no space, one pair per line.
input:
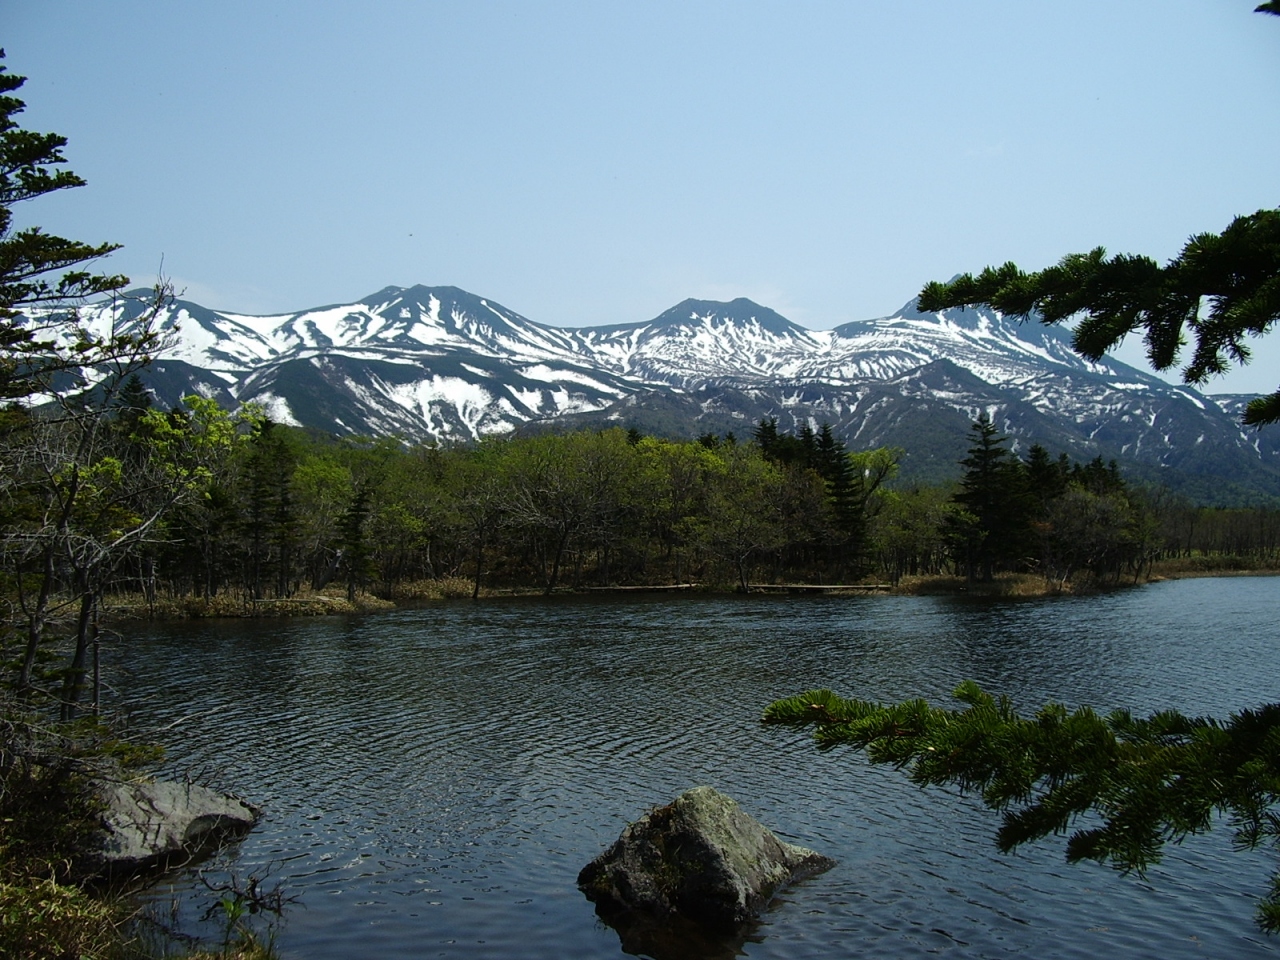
[435,778]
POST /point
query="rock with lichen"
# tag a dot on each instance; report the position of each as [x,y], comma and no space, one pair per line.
[153,823]
[700,858]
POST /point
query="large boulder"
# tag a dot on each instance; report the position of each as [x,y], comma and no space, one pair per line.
[699,859]
[154,823]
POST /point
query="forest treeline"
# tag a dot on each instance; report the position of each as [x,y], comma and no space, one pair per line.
[287,512]
[198,502]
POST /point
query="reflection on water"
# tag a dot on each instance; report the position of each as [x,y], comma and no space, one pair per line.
[436,778]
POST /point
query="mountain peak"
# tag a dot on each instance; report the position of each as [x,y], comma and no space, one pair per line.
[383,295]
[737,312]
[418,293]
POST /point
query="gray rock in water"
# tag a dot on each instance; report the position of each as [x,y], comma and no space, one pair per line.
[700,858]
[148,824]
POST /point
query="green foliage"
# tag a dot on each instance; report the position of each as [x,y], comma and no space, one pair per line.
[1137,784]
[41,919]
[909,531]
[49,819]
[278,508]
[1221,290]
[991,526]
[239,901]
[1054,517]
[83,486]
[36,268]
[745,509]
[88,492]
[198,502]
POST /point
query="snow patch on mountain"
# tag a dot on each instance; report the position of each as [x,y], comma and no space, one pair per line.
[277,408]
[439,362]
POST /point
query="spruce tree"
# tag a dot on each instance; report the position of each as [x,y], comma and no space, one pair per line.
[60,467]
[1222,289]
[1125,786]
[994,498]
[844,488]
[1046,477]
[38,269]
[355,543]
[765,436]
[270,520]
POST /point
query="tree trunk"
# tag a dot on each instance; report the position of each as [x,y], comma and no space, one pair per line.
[86,630]
[555,562]
[36,620]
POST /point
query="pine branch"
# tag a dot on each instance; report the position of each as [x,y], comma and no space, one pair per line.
[1150,781]
[1219,291]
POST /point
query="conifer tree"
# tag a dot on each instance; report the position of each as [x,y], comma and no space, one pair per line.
[994,498]
[74,526]
[844,493]
[38,269]
[1235,273]
[783,448]
[1046,477]
[1126,786]
[269,521]
[766,436]
[355,543]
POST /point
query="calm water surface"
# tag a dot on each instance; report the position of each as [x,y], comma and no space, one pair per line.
[434,779]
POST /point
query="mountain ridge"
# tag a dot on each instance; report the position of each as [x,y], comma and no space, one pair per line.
[438,363]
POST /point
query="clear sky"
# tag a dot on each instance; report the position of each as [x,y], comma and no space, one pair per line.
[597,162]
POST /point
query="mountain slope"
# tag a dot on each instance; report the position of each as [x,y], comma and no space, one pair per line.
[441,363]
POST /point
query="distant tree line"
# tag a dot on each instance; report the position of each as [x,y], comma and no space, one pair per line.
[281,512]
[286,512]
[104,494]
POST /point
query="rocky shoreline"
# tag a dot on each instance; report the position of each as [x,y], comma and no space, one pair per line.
[151,824]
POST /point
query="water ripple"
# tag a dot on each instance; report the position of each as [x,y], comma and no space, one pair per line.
[434,779]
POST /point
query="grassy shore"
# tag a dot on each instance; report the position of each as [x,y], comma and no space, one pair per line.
[1033,585]
[333,600]
[50,823]
[118,607]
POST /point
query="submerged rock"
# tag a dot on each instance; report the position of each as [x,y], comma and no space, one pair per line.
[152,823]
[700,858]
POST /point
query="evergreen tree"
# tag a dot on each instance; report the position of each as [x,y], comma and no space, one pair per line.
[994,526]
[1236,273]
[269,521]
[132,403]
[844,492]
[1098,478]
[38,269]
[355,545]
[1047,478]
[1149,781]
[780,447]
[808,444]
[80,514]
[765,436]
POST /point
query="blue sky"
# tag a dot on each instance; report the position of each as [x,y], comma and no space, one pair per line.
[586,163]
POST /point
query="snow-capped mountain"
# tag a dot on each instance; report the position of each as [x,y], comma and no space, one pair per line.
[698,340]
[441,363]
